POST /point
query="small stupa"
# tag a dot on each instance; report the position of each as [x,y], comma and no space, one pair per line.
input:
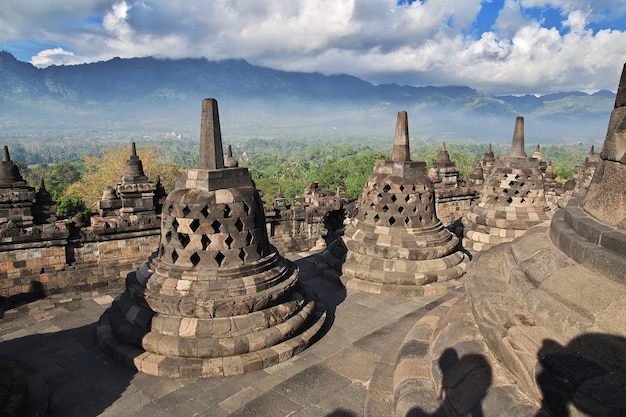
[16,196]
[396,244]
[216,299]
[511,201]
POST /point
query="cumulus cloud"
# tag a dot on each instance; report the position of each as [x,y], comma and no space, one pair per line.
[430,42]
[55,56]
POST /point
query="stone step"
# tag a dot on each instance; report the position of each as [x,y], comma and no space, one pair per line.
[444,367]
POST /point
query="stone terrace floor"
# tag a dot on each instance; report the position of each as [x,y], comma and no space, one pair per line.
[348,372]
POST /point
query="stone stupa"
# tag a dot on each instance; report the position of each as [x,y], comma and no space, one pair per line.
[550,304]
[511,201]
[216,299]
[396,244]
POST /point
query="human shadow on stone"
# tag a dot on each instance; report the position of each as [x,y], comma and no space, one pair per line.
[82,380]
[464,384]
[37,292]
[589,373]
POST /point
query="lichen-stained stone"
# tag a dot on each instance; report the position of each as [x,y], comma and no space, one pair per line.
[396,244]
[550,304]
[512,199]
[221,299]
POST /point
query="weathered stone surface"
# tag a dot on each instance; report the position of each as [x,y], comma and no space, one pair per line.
[512,199]
[219,296]
[396,244]
[547,303]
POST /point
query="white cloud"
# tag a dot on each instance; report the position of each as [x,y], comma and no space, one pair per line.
[433,42]
[55,56]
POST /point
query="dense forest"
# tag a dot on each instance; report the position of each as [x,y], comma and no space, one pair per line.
[76,173]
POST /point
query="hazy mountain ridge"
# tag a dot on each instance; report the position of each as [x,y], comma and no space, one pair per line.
[149,93]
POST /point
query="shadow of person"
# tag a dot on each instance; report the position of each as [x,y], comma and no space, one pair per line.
[37,292]
[464,385]
[589,373]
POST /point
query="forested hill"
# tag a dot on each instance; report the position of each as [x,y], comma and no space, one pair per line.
[148,95]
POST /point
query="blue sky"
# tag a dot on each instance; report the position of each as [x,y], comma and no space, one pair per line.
[498,46]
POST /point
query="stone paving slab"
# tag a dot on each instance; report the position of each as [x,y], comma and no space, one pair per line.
[331,377]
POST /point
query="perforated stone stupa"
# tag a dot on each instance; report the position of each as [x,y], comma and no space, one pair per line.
[551,303]
[217,299]
[512,199]
[396,244]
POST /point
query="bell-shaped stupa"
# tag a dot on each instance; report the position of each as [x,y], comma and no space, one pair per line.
[396,244]
[217,299]
[511,201]
[550,305]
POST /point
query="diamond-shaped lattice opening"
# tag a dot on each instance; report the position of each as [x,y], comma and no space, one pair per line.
[227,211]
[400,209]
[242,254]
[186,211]
[516,176]
[505,191]
[205,211]
[246,208]
[385,208]
[407,198]
[168,236]
[229,241]
[392,221]
[393,198]
[174,256]
[219,258]
[401,188]
[249,238]
[509,200]
[516,192]
[511,183]
[522,201]
[205,242]
[376,218]
[407,221]
[415,209]
[161,251]
[216,226]
[380,196]
[372,205]
[239,225]
[183,238]
[521,184]
[386,188]
[195,259]
[421,218]
[175,224]
[195,223]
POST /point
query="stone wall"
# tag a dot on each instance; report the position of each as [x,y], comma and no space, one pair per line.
[76,263]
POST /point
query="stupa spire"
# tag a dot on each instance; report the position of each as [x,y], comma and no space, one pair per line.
[620,97]
[211,153]
[517,147]
[401,151]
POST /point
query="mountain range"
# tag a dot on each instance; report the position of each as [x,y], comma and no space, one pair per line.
[151,96]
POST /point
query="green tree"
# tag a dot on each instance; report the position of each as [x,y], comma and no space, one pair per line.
[106,169]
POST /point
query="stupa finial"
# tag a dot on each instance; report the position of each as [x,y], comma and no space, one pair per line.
[517,147]
[211,153]
[620,97]
[401,151]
